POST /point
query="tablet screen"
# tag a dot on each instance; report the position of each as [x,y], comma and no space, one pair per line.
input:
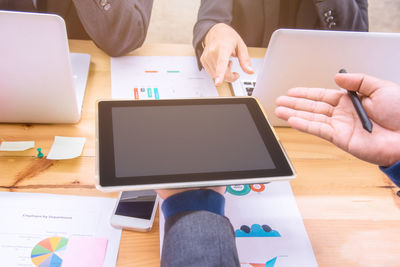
[161,140]
[186,140]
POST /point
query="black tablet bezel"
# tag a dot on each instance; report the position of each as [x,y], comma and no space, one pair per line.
[107,177]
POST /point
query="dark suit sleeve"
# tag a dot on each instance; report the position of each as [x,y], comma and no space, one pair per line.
[393,172]
[116,26]
[343,15]
[210,13]
[199,238]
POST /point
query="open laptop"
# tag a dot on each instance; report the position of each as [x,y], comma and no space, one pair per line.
[311,58]
[40,81]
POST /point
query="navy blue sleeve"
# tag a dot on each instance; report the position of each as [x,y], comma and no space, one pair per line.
[393,172]
[202,199]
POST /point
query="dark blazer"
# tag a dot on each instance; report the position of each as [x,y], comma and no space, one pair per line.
[116,26]
[256,20]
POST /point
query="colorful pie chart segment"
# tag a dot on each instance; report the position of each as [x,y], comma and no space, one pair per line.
[257,187]
[48,252]
[238,190]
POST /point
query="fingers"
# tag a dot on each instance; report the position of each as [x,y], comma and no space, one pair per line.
[329,96]
[362,83]
[222,42]
[303,104]
[244,58]
[319,129]
[206,66]
[218,65]
[229,75]
[222,65]
[285,113]
[316,124]
[309,110]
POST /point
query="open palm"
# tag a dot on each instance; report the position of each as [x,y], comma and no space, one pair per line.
[329,114]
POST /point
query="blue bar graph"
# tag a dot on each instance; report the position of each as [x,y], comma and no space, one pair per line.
[156,95]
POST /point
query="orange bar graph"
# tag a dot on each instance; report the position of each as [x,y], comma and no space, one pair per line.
[136,91]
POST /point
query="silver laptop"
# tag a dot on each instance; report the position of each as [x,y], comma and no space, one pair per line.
[311,58]
[40,81]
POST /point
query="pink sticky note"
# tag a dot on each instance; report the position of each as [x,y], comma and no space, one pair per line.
[85,251]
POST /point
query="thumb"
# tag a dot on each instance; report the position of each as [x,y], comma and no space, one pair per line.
[359,82]
[244,58]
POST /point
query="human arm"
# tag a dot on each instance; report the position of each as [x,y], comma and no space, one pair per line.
[393,172]
[329,114]
[117,28]
[196,232]
[215,41]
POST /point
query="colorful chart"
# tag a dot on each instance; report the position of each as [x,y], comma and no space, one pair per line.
[238,190]
[48,252]
[257,187]
[241,190]
[270,263]
[256,230]
[142,93]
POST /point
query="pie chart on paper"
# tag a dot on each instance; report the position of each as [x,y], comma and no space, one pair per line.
[48,252]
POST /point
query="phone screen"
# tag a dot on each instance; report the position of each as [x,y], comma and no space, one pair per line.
[133,205]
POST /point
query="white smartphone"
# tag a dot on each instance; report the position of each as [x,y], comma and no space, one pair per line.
[135,210]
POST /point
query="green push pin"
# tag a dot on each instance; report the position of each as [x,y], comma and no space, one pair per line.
[40,154]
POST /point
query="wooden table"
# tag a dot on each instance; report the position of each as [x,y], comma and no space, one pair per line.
[350,209]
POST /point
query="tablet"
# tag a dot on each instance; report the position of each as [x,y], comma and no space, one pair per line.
[176,143]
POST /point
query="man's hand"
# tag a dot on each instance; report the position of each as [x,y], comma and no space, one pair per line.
[220,43]
[330,114]
[169,192]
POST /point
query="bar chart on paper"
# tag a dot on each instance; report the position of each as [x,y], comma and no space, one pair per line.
[159,77]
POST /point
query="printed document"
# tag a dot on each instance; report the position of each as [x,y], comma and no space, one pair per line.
[35,228]
[268,226]
[159,77]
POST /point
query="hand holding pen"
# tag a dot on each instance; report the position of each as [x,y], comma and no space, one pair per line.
[330,114]
[366,123]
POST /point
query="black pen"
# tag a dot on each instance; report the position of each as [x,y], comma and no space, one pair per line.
[366,123]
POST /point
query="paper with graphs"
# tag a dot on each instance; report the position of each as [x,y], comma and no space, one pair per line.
[268,226]
[159,77]
[46,229]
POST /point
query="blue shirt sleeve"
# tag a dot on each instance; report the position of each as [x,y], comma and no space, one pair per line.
[202,199]
[393,172]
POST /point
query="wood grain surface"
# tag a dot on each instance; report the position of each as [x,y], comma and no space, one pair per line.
[350,209]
